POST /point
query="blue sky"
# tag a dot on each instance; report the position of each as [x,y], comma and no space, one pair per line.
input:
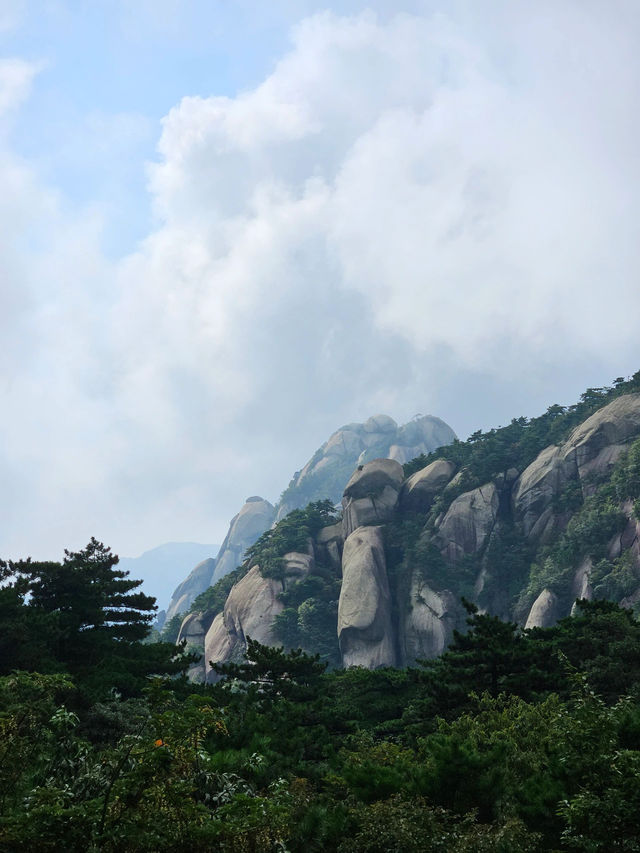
[227,228]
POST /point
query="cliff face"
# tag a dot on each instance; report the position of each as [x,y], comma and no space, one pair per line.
[523,544]
[322,477]
[326,473]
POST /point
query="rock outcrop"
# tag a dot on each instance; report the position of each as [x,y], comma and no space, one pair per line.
[544,611]
[596,444]
[508,524]
[588,455]
[246,527]
[420,489]
[371,495]
[249,611]
[429,621]
[534,492]
[468,522]
[364,611]
[327,471]
[196,582]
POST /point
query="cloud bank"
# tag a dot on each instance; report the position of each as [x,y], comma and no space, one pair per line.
[418,212]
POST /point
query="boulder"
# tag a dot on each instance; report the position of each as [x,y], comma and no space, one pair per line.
[246,527]
[589,454]
[194,629]
[468,522]
[535,489]
[581,586]
[356,443]
[196,582]
[251,606]
[420,489]
[596,444]
[544,611]
[219,646]
[371,495]
[380,424]
[429,621]
[329,543]
[364,610]
[297,564]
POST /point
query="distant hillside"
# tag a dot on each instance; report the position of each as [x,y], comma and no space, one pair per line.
[522,521]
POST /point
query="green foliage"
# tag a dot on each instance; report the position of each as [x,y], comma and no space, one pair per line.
[88,618]
[290,534]
[171,629]
[212,600]
[587,535]
[485,455]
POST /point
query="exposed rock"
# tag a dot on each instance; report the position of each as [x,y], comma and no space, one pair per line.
[196,582]
[581,586]
[245,528]
[364,610]
[544,611]
[589,453]
[329,543]
[330,466]
[249,611]
[419,491]
[194,629]
[429,621]
[220,646]
[535,489]
[296,564]
[380,423]
[468,522]
[371,495]
[597,443]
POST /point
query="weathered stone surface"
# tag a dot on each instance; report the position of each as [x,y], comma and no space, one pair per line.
[297,564]
[219,647]
[420,489]
[581,586]
[245,528]
[193,629]
[380,423]
[468,522]
[330,466]
[535,489]
[371,495]
[196,582]
[370,479]
[364,610]
[429,621]
[589,453]
[544,611]
[249,611]
[596,444]
[329,542]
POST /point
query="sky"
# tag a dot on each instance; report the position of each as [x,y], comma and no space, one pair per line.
[228,227]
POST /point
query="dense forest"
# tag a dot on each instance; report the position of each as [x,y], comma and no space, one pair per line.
[512,740]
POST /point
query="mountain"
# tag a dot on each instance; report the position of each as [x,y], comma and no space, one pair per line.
[159,567]
[322,477]
[522,521]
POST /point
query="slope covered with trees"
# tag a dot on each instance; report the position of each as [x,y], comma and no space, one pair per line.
[513,739]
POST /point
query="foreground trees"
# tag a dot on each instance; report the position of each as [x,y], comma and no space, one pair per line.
[513,740]
[83,616]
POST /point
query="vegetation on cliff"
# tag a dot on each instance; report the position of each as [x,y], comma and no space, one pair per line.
[514,739]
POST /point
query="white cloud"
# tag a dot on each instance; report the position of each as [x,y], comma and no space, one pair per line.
[403,203]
